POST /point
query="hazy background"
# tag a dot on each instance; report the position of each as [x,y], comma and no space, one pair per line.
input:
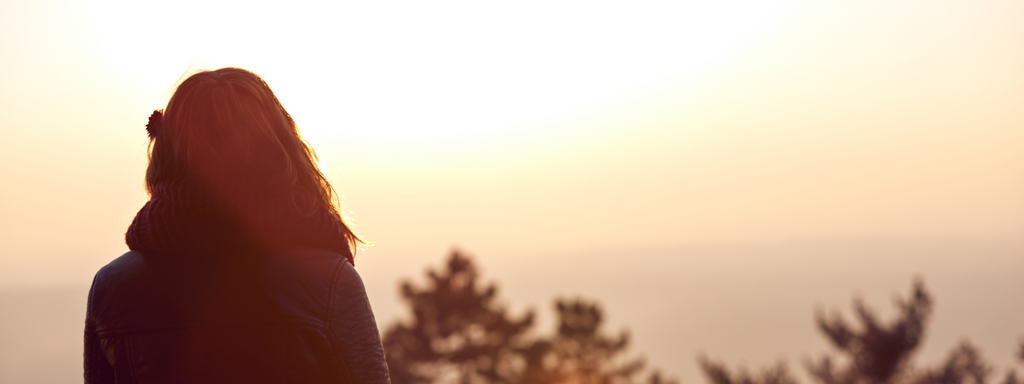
[711,172]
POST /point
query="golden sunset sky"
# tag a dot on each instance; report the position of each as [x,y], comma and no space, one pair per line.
[522,131]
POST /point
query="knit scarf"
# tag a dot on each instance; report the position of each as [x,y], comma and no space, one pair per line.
[181,218]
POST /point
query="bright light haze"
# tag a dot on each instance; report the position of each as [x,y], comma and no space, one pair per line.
[527,130]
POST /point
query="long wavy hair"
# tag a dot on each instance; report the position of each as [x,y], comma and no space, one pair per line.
[226,131]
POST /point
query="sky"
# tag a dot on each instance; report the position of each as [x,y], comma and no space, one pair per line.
[532,134]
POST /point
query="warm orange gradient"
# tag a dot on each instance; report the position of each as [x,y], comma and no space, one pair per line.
[529,130]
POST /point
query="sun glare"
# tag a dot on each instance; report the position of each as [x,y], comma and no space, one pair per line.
[461,72]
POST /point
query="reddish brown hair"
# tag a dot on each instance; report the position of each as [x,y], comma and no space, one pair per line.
[227,131]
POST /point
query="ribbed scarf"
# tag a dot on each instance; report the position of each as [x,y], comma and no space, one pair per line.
[181,218]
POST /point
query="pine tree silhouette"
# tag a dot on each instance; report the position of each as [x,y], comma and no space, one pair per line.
[877,352]
[717,373]
[458,333]
[580,353]
[1011,374]
[964,365]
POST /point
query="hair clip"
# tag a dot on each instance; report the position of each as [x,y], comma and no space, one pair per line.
[155,124]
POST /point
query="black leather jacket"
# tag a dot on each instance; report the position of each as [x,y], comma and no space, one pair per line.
[296,317]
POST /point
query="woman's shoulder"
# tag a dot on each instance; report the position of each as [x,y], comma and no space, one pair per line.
[139,263]
[308,270]
[130,266]
[120,287]
[309,258]
[139,269]
[155,285]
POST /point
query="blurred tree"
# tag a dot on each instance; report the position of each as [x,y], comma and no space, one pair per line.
[656,378]
[877,352]
[1011,378]
[458,332]
[717,373]
[580,353]
[1011,374]
[963,366]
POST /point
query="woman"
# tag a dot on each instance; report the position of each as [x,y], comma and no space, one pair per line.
[241,268]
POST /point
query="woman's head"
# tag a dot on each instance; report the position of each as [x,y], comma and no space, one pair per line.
[226,131]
